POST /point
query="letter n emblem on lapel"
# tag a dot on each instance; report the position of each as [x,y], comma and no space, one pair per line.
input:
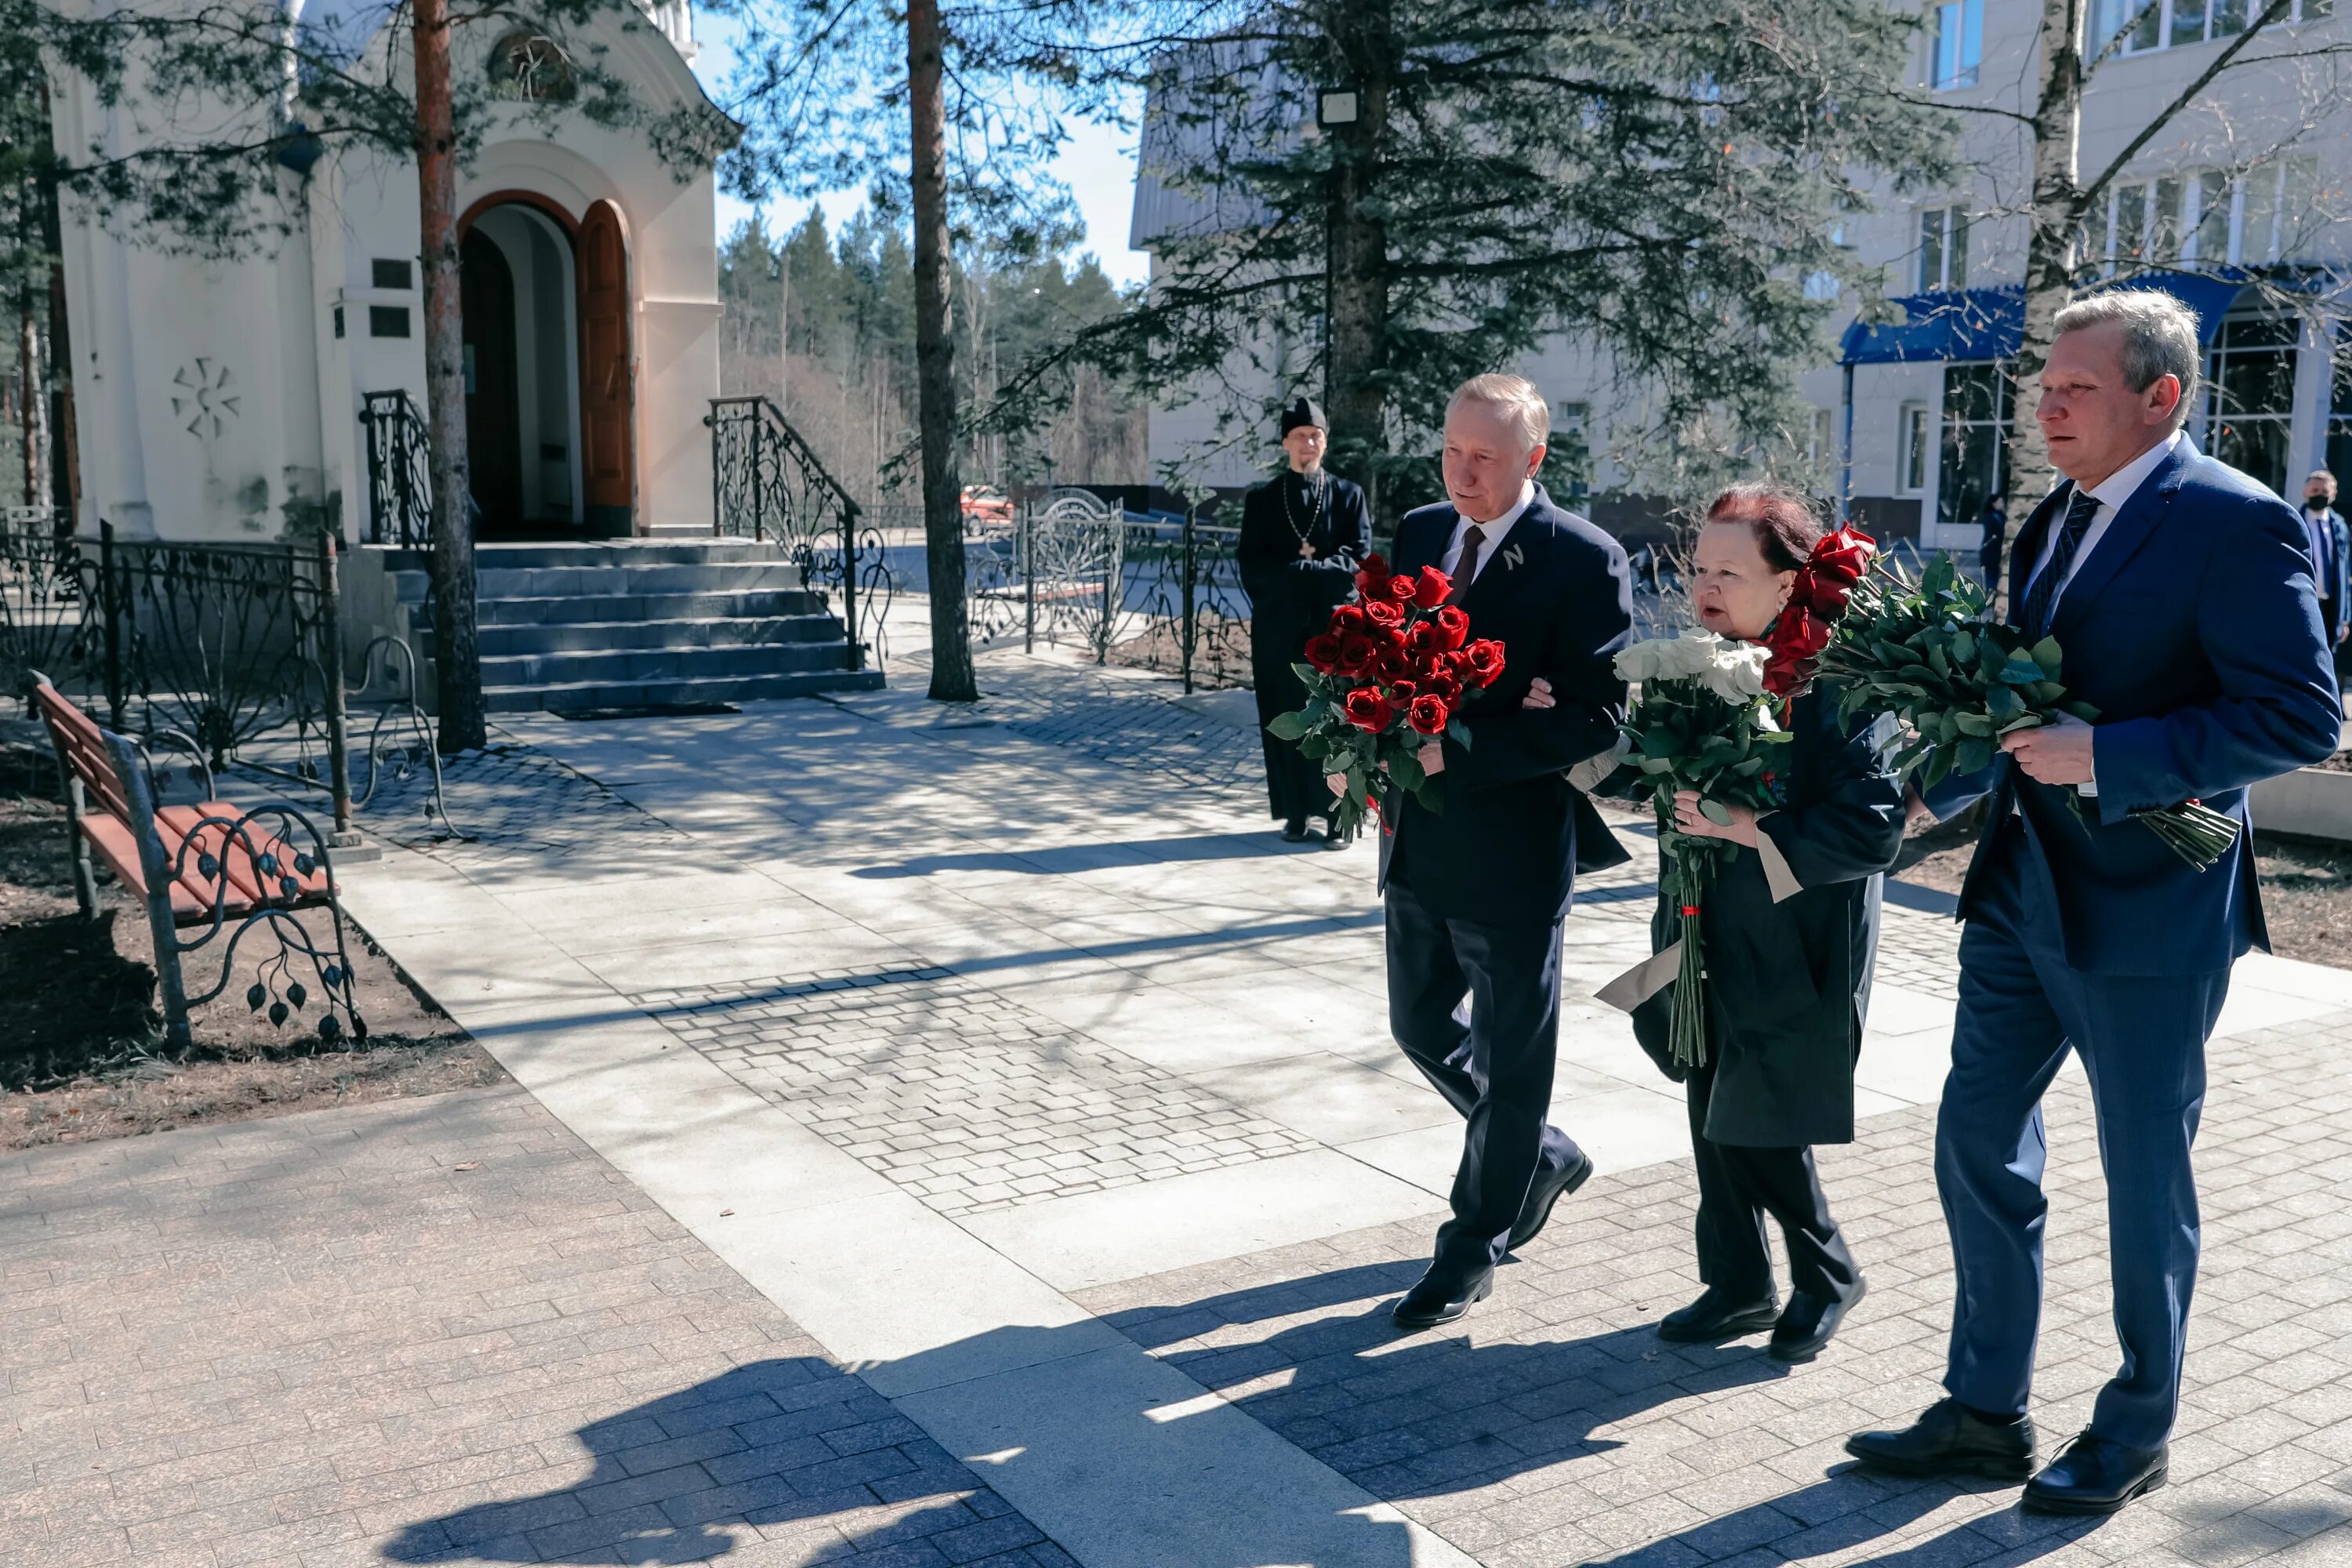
[1512,557]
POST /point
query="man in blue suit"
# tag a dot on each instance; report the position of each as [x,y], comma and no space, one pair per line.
[2182,593]
[1475,894]
[2331,552]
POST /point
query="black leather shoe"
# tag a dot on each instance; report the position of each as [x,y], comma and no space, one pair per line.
[1332,837]
[1716,1316]
[1951,1439]
[1536,1211]
[1809,1324]
[1434,1301]
[1294,831]
[2095,1474]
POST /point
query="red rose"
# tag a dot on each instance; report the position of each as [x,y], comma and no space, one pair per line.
[1347,619]
[1323,652]
[1452,626]
[1396,664]
[1356,651]
[1423,638]
[1371,575]
[1826,580]
[1403,691]
[1482,662]
[1432,588]
[1367,709]
[1384,613]
[1388,639]
[1398,590]
[1796,641]
[1443,684]
[1428,714]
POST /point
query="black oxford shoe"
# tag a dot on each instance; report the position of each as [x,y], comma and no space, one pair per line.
[1535,1213]
[1951,1439]
[2095,1474]
[1435,1301]
[1716,1316]
[1809,1324]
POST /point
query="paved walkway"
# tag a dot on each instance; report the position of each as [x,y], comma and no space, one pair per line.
[1011,1057]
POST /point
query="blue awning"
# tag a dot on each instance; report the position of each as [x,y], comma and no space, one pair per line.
[1987,324]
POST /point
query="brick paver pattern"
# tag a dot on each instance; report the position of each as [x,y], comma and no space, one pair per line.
[965,1097]
[430,1330]
[1554,1428]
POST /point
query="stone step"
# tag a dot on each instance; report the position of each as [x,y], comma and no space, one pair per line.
[674,550]
[570,698]
[583,582]
[499,641]
[644,664]
[559,611]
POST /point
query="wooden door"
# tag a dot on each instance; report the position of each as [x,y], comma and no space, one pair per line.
[607,392]
[493,410]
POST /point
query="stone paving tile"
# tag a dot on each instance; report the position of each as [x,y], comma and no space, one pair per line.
[1556,1428]
[965,1097]
[428,1331]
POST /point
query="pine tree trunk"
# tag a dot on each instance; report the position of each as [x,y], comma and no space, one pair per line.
[2051,232]
[1356,388]
[953,679]
[457,649]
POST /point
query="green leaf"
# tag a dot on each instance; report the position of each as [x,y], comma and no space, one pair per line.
[1458,733]
[1715,811]
[1657,765]
[1964,646]
[1972,723]
[1308,673]
[2046,655]
[1407,770]
[1286,726]
[1313,747]
[1974,755]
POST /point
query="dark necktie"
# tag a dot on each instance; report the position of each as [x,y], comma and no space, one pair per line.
[1474,540]
[2042,597]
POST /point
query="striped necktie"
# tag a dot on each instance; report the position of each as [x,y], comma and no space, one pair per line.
[2042,599]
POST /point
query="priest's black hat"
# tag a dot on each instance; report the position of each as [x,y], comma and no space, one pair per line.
[1306,411]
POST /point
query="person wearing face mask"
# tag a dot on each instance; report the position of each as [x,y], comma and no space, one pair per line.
[2331,554]
[1303,536]
[1791,929]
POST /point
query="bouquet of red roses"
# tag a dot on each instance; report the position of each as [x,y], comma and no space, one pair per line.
[1387,676]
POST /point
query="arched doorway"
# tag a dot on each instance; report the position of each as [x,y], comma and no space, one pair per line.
[607,390]
[521,284]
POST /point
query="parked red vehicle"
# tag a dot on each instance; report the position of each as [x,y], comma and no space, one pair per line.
[986,503]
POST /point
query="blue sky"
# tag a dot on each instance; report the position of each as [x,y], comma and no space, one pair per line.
[1098,165]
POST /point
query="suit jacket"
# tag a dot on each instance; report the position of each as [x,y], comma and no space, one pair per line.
[2335,582]
[1788,982]
[2193,627]
[1508,845]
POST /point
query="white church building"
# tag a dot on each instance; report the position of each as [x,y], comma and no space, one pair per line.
[212,398]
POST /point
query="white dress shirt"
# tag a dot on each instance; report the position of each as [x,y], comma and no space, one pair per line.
[2111,493]
[1494,532]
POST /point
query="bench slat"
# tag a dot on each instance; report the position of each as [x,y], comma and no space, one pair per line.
[119,849]
[248,885]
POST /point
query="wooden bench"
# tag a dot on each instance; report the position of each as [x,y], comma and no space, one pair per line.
[211,865]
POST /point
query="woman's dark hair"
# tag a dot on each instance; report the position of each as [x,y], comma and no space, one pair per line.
[1786,529]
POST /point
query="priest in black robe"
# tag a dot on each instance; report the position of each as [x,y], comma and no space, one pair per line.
[1303,536]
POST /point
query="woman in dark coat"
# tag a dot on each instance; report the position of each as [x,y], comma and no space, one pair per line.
[1791,927]
[1302,538]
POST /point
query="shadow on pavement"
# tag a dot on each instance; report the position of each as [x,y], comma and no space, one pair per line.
[1066,860]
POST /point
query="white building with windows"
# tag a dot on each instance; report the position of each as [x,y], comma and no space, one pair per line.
[211,399]
[2242,206]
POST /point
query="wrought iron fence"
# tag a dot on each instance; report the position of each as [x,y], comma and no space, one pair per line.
[45,611]
[400,477]
[768,484]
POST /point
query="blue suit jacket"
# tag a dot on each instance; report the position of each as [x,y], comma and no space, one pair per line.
[2193,627]
[2336,587]
[1558,596]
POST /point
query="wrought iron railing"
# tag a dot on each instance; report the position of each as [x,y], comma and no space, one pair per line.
[45,617]
[399,471]
[767,484]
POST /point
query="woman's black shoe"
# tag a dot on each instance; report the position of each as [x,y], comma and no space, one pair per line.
[1716,1316]
[1809,1324]
[2095,1474]
[1951,1439]
[1295,830]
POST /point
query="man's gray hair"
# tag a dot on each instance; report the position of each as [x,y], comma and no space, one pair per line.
[2159,339]
[1516,397]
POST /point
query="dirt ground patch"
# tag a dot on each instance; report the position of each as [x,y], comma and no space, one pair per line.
[81,1052]
[2306,886]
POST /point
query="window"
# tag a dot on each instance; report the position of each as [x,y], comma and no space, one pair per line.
[391,272]
[2146,25]
[1911,456]
[2250,395]
[1975,457]
[1956,48]
[387,320]
[1943,248]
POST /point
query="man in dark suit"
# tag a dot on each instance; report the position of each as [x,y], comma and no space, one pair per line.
[1475,893]
[2180,592]
[2331,554]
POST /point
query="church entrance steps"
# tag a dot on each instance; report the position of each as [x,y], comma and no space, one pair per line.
[638,623]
